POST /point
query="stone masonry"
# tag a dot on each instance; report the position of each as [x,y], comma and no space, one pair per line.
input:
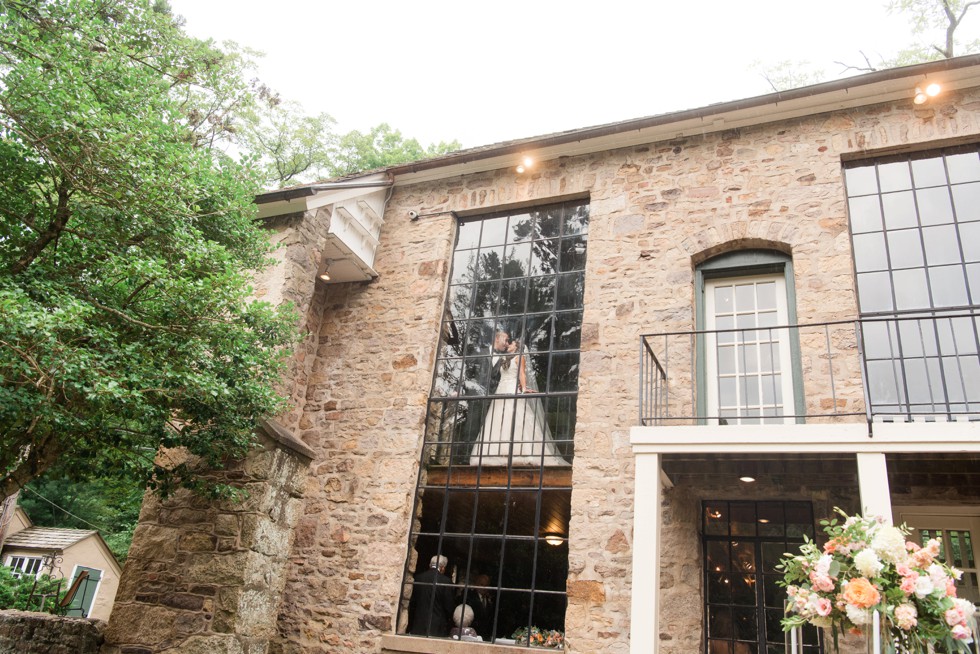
[206,577]
[656,212]
[23,632]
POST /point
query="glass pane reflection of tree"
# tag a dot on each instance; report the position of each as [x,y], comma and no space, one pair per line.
[495,489]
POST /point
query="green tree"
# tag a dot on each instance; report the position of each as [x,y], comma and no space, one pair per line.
[127,242]
[933,26]
[381,146]
[290,145]
[109,504]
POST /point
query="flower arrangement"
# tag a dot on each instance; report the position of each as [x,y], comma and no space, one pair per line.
[868,565]
[539,637]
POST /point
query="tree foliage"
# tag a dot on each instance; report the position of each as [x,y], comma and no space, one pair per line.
[109,504]
[290,145]
[381,146]
[127,241]
[933,26]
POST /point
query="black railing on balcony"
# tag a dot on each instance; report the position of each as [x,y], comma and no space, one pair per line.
[899,367]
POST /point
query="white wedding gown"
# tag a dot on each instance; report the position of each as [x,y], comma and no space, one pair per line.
[532,442]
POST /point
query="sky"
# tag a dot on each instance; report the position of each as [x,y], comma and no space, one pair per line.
[485,72]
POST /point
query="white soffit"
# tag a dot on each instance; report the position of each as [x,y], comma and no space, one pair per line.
[705,121]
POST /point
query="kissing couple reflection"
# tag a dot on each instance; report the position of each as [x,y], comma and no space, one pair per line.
[515,428]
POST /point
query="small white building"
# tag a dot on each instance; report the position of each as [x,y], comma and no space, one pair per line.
[67,554]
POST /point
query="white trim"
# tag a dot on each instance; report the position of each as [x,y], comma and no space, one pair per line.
[644,598]
[98,586]
[841,438]
[19,571]
[876,497]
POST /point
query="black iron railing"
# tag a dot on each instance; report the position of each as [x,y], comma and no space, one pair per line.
[898,367]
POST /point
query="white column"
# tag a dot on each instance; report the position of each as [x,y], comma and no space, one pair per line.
[645,603]
[873,482]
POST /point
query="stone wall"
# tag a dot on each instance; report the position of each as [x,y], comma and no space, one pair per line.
[206,576]
[300,239]
[22,632]
[656,211]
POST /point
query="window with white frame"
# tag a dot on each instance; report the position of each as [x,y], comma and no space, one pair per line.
[747,349]
[956,532]
[25,565]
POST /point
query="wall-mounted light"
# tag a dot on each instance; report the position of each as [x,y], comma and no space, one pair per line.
[526,163]
[925,91]
[747,479]
[325,273]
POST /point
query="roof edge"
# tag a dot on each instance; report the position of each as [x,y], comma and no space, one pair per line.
[636,124]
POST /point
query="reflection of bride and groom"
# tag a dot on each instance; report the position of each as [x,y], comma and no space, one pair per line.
[514,429]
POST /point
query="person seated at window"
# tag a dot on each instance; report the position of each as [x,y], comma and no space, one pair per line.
[463,618]
[516,428]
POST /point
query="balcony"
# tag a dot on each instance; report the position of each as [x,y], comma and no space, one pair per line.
[922,367]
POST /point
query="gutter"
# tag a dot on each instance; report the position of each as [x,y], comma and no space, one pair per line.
[588,133]
[313,189]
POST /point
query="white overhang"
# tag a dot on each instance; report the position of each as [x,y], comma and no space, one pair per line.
[815,438]
[863,90]
[356,209]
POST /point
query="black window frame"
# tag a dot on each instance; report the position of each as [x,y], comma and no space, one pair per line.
[766,547]
[913,217]
[459,499]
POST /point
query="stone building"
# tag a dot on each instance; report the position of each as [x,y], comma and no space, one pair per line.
[611,374]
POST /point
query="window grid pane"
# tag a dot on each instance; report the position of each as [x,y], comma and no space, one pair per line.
[495,489]
[743,542]
[916,270]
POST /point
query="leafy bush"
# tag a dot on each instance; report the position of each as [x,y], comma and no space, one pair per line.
[27,593]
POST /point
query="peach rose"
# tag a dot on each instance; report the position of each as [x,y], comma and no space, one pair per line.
[861,593]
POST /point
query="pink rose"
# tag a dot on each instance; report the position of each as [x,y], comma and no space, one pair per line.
[955,616]
[821,582]
[822,606]
[961,632]
[912,547]
[950,588]
[904,570]
[908,584]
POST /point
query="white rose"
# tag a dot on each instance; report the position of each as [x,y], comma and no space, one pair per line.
[823,564]
[889,543]
[856,614]
[867,563]
[924,587]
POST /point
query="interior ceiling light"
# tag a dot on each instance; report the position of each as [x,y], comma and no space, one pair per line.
[925,91]
[553,539]
[747,479]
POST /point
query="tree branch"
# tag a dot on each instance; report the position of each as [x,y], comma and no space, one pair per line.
[61,216]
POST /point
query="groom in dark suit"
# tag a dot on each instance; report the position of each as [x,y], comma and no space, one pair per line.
[481,601]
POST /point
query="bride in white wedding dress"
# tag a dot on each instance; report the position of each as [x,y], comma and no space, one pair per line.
[514,426]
